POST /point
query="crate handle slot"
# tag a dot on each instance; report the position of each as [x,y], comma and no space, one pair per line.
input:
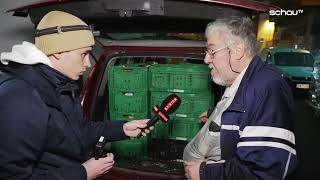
[128,116]
[127,93]
[127,69]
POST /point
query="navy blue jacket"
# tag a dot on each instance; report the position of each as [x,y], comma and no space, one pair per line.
[257,139]
[44,134]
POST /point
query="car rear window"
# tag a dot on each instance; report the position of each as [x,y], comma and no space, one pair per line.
[293,59]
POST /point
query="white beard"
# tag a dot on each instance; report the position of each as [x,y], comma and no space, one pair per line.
[219,81]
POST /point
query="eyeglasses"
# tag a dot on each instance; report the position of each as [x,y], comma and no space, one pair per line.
[212,52]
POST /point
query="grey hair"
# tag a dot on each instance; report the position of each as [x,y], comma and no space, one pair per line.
[235,28]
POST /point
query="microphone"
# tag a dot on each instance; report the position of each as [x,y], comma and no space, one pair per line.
[168,106]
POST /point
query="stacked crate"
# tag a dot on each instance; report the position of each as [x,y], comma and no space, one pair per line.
[191,82]
[128,100]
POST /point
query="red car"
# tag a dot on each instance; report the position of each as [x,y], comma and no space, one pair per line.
[157,50]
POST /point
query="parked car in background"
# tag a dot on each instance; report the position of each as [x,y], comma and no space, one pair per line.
[146,50]
[296,65]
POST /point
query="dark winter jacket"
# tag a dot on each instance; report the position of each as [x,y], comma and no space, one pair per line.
[256,135]
[44,134]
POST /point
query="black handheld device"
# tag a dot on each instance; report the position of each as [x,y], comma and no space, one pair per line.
[98,149]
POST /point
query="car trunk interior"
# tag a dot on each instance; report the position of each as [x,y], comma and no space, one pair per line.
[146,78]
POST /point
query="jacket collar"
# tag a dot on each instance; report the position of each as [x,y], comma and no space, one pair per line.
[238,103]
[46,80]
[57,79]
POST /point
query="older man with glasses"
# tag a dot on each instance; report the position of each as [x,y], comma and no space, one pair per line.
[249,134]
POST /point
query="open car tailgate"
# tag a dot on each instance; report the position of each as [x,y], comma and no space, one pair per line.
[96,10]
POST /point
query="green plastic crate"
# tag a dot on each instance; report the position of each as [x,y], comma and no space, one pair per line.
[119,116]
[128,102]
[137,147]
[161,130]
[184,128]
[131,77]
[187,78]
[192,105]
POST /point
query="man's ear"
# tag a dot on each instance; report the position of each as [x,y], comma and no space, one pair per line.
[239,51]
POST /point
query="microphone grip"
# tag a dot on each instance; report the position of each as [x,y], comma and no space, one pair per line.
[150,123]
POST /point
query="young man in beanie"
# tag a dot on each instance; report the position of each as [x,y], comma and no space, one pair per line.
[44,133]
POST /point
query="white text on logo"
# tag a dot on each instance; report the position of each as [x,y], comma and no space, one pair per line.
[285,12]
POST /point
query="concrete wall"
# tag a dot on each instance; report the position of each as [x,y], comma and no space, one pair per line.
[14,29]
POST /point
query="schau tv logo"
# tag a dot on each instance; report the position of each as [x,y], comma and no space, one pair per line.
[282,12]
